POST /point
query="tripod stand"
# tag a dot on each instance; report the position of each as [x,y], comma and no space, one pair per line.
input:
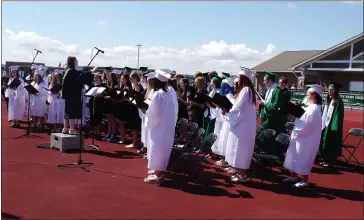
[80,162]
[27,132]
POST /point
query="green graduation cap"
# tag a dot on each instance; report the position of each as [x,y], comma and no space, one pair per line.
[143,69]
[270,75]
[335,86]
[217,80]
[127,69]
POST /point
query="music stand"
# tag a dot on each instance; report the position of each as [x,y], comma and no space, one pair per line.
[93,92]
[31,91]
[80,162]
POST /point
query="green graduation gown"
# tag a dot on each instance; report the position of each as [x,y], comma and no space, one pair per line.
[331,137]
[273,116]
[207,123]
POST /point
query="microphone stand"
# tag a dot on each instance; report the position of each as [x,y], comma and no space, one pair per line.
[27,132]
[80,162]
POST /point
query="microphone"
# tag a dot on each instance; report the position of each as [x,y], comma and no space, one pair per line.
[99,50]
[38,51]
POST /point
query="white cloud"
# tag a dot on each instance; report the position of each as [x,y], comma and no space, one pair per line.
[214,55]
[291,6]
[352,2]
[102,22]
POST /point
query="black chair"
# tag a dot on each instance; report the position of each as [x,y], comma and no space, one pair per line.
[190,145]
[357,132]
[182,122]
[192,129]
[265,140]
[200,155]
[289,127]
[274,157]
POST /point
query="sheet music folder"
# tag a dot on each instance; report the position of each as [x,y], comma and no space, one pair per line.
[295,110]
[94,91]
[14,84]
[31,89]
[142,105]
[55,89]
[217,99]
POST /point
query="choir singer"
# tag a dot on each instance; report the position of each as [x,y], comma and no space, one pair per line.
[305,140]
[161,119]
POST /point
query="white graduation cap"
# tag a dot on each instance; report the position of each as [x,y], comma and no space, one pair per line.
[117,72]
[315,88]
[39,72]
[246,72]
[33,67]
[151,75]
[162,75]
[43,68]
[79,68]
[58,71]
[14,68]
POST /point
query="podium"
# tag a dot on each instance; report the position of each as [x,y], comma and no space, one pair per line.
[66,142]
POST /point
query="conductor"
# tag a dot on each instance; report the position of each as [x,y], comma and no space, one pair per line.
[71,93]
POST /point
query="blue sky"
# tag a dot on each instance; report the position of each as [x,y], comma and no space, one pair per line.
[287,25]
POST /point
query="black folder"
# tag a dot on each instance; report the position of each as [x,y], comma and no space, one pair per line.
[14,84]
[31,89]
[56,88]
[295,110]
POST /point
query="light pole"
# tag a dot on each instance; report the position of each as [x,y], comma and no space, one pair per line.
[139,45]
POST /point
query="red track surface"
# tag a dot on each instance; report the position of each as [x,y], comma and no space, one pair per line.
[33,187]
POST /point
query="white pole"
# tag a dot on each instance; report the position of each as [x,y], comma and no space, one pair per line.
[138,55]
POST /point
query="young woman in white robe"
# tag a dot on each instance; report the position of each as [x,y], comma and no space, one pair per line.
[222,141]
[305,140]
[161,118]
[148,96]
[16,96]
[242,120]
[56,103]
[38,106]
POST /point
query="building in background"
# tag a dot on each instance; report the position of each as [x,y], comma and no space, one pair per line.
[341,63]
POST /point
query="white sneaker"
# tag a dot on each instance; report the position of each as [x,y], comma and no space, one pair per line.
[65,131]
[232,171]
[151,172]
[72,132]
[129,146]
[154,179]
[301,184]
[237,178]
[222,163]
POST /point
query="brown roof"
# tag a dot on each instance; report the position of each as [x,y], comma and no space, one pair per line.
[285,60]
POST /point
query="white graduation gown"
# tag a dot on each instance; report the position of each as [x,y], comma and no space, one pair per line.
[241,138]
[56,108]
[220,118]
[144,129]
[161,119]
[38,102]
[305,141]
[16,107]
[220,149]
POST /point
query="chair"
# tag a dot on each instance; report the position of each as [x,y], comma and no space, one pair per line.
[182,122]
[264,139]
[200,155]
[289,127]
[357,132]
[192,129]
[274,156]
[190,145]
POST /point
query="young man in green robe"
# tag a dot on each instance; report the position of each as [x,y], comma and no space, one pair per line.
[332,125]
[273,109]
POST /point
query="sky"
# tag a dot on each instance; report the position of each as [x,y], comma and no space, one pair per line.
[182,36]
